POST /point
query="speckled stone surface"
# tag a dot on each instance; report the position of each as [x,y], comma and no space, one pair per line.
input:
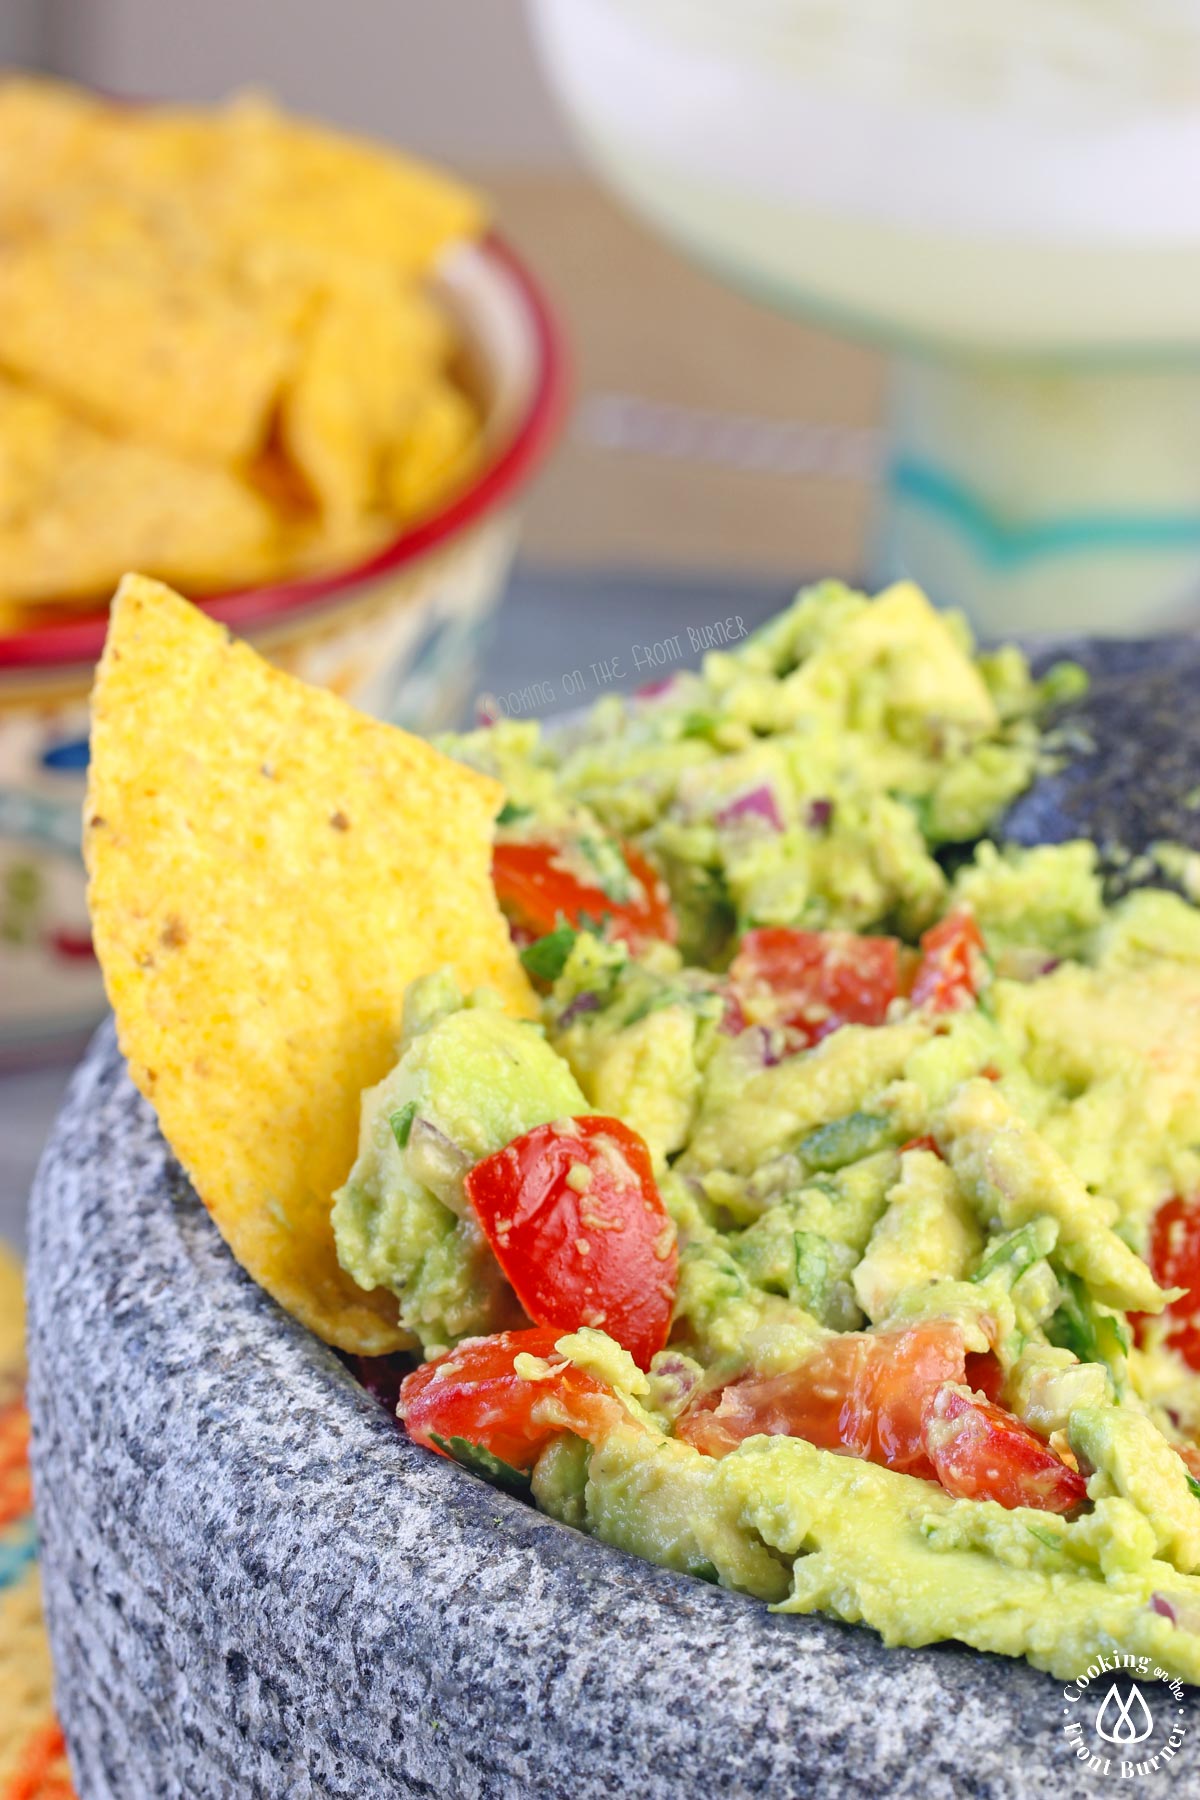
[1132,766]
[257,1587]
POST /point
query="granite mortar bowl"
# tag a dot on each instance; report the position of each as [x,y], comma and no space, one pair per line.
[256,1586]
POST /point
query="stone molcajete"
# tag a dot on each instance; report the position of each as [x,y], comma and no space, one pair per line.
[1130,750]
[256,1586]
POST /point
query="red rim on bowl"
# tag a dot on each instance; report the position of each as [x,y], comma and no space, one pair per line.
[80,639]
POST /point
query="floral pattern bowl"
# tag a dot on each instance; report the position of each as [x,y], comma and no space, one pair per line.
[398,635]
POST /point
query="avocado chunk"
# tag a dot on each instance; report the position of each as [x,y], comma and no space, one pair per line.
[470,1081]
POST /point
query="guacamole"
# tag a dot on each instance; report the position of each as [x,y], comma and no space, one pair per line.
[835,1235]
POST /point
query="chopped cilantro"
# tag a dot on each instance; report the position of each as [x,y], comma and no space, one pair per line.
[652,1003]
[401,1122]
[547,956]
[846,1140]
[1015,1252]
[510,812]
[1083,1327]
[1051,1539]
[1193,1484]
[604,857]
[698,724]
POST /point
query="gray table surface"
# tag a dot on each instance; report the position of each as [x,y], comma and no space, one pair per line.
[560,640]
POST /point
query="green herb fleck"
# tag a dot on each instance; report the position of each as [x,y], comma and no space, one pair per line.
[1015,1252]
[547,957]
[401,1122]
[604,857]
[1193,1484]
[698,724]
[1051,1539]
[510,813]
[1083,1327]
[846,1141]
[652,1003]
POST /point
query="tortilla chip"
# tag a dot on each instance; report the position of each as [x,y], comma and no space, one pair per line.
[369,357]
[76,504]
[238,291]
[441,449]
[268,870]
[142,331]
[328,195]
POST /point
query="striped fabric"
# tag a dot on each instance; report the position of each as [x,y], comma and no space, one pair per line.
[33,1762]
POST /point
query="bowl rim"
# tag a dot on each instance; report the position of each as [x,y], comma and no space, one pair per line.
[80,639]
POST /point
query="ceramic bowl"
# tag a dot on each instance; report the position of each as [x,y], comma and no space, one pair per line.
[398,635]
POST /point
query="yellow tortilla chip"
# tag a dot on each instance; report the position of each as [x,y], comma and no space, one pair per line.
[144,333]
[76,504]
[268,870]
[370,355]
[329,195]
[440,450]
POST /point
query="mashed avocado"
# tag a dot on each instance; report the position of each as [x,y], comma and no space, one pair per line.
[992,1142]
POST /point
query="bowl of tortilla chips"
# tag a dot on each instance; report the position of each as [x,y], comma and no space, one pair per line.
[297,374]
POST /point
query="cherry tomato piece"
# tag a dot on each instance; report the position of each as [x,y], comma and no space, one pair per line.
[538,887]
[818,980]
[860,1391]
[922,1143]
[984,1374]
[475,1393]
[1190,1454]
[899,1398]
[981,1452]
[1174,1258]
[573,1215]
[951,971]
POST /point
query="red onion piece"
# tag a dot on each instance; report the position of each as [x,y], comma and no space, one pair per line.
[758,803]
[582,1003]
[765,1047]
[733,1019]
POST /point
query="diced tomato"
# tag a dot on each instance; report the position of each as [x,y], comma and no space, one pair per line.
[1174,1258]
[574,1217]
[538,889]
[899,1398]
[475,1393]
[860,1391]
[951,970]
[1190,1454]
[984,1374]
[981,1452]
[921,1143]
[818,980]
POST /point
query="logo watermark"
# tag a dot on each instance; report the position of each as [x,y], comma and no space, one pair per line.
[640,663]
[1123,1717]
